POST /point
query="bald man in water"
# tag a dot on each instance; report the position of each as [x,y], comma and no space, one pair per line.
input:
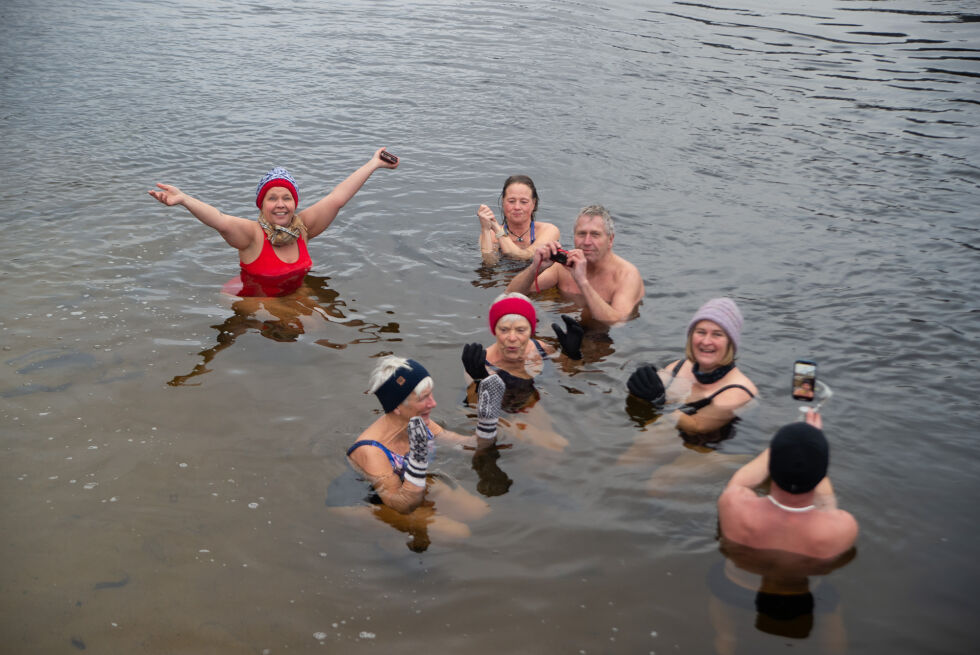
[799,514]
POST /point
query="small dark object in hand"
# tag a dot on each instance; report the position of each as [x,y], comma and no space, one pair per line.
[388,157]
[561,256]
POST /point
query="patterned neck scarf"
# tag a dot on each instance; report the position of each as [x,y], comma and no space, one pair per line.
[283,236]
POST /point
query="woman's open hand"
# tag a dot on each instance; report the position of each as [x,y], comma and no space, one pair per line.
[168,195]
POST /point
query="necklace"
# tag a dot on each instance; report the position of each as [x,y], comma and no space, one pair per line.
[788,508]
[520,238]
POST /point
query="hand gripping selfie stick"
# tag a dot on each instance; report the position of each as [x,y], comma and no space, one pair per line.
[823,395]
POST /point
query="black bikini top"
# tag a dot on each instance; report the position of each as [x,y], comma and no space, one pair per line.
[692,407]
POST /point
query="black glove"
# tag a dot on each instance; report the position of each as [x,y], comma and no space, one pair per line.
[571,342]
[475,361]
[646,383]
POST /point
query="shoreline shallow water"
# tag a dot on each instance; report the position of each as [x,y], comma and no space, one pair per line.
[819,165]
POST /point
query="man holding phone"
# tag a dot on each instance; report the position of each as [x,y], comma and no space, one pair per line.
[799,514]
[592,275]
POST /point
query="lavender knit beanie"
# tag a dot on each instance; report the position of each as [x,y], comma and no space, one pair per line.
[725,313]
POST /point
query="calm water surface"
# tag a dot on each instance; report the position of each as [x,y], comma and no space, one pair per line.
[818,162]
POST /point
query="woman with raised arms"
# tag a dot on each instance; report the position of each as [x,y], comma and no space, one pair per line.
[272,250]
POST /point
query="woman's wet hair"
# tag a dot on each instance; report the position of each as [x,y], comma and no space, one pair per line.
[526,181]
[601,212]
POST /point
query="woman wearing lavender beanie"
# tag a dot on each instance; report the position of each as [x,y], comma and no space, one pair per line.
[706,380]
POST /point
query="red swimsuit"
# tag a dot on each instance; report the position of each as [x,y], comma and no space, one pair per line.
[270,276]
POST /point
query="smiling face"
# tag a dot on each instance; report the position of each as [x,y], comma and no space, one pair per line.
[278,206]
[512,336]
[591,238]
[420,405]
[709,346]
[519,203]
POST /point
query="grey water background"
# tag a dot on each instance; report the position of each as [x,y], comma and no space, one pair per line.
[818,162]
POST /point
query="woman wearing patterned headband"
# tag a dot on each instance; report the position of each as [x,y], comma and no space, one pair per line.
[712,388]
[394,452]
[272,251]
[393,455]
[520,232]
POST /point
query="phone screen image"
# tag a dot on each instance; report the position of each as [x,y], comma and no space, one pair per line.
[804,379]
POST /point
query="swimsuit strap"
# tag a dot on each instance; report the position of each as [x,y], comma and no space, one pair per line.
[731,386]
[537,344]
[674,372]
[397,461]
[532,230]
[707,399]
[508,378]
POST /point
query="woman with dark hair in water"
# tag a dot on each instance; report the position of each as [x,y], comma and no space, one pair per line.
[520,231]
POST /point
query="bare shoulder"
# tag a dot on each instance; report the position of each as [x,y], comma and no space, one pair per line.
[737,511]
[434,427]
[835,534]
[307,220]
[625,268]
[371,460]
[739,378]
[627,275]
[545,232]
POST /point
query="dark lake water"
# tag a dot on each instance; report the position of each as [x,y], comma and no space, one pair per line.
[819,162]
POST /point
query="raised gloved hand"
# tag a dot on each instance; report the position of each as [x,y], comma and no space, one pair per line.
[571,341]
[490,393]
[417,462]
[646,383]
[475,361]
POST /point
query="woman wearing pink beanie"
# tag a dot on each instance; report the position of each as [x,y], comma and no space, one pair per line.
[706,380]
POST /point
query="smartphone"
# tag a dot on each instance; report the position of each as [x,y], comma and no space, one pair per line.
[804,379]
[388,157]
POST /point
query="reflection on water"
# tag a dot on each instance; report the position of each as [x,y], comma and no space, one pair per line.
[787,593]
[285,318]
[817,163]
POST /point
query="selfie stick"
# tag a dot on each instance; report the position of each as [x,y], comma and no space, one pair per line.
[823,393]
